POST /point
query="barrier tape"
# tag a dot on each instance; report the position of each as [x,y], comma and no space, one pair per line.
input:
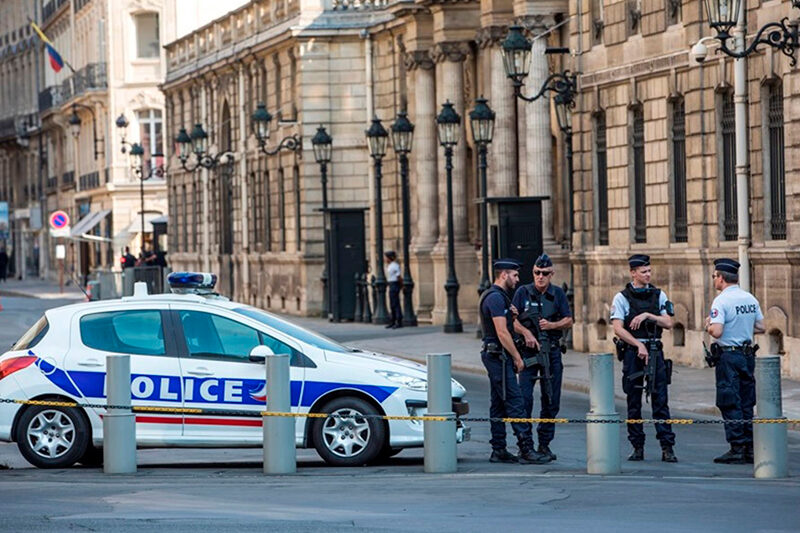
[437,418]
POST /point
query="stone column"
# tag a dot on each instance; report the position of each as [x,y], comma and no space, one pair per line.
[424,173]
[538,141]
[503,151]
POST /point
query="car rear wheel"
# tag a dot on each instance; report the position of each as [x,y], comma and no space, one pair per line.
[352,437]
[52,437]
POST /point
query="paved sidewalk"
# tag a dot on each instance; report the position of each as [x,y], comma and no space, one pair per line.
[692,389]
[40,288]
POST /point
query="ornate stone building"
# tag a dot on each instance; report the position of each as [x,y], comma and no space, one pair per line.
[655,163]
[256,221]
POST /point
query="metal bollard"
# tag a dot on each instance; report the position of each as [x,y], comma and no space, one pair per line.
[119,425]
[440,437]
[770,441]
[280,456]
[602,439]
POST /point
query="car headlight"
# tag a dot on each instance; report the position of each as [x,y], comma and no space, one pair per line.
[458,388]
[409,382]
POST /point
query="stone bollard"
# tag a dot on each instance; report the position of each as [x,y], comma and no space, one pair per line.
[119,425]
[440,436]
[602,439]
[770,441]
[280,455]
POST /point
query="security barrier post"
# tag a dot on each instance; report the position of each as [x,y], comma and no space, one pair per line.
[119,422]
[440,436]
[770,444]
[602,436]
[280,456]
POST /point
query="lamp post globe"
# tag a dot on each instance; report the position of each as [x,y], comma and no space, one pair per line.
[74,124]
[260,122]
[321,143]
[516,50]
[199,139]
[722,14]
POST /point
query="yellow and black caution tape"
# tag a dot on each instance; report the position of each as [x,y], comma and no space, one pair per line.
[421,418]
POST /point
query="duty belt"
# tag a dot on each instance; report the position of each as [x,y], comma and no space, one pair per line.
[731,348]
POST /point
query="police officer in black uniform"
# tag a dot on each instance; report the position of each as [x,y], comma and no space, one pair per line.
[502,361]
[639,313]
[547,305]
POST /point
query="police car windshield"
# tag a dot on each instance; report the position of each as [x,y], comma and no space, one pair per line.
[301,334]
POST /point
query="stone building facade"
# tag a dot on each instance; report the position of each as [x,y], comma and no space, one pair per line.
[655,163]
[256,221]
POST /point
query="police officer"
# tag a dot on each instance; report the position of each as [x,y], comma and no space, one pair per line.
[547,304]
[395,285]
[639,313]
[502,361]
[735,316]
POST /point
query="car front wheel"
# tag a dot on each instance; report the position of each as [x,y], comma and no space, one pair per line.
[52,437]
[353,437]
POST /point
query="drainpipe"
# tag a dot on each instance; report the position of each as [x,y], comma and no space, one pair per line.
[371,169]
[742,150]
[243,177]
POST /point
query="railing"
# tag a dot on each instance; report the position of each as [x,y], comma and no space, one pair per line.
[89,181]
[50,8]
[92,77]
[68,178]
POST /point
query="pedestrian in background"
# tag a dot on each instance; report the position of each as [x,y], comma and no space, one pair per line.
[3,264]
[395,284]
[734,318]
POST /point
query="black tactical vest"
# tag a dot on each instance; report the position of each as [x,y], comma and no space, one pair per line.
[643,301]
[547,307]
[487,324]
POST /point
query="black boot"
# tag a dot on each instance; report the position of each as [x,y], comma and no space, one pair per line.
[637,454]
[734,456]
[748,454]
[532,457]
[503,456]
[668,455]
[544,449]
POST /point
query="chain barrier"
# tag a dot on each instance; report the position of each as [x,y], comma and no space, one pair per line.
[257,414]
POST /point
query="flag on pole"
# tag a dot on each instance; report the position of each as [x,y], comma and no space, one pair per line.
[55,59]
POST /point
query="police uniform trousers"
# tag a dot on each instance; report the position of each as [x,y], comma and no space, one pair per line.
[512,407]
[736,395]
[394,303]
[633,389]
[549,405]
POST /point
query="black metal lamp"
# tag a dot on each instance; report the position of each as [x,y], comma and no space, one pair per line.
[321,142]
[260,121]
[482,119]
[199,140]
[447,124]
[402,133]
[75,124]
[184,145]
[377,138]
[402,139]
[137,154]
[564,105]
[722,14]
[516,54]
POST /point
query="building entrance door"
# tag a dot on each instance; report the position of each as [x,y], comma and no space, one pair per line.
[516,231]
[347,245]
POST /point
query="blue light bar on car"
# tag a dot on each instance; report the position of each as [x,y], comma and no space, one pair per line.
[191,281]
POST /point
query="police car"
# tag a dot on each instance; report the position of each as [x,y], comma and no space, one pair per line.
[195,349]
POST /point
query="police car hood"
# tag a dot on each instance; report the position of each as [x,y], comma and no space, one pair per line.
[378,360]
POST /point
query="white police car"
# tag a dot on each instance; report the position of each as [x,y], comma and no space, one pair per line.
[191,349]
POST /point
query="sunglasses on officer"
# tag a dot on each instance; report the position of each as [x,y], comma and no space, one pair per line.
[544,273]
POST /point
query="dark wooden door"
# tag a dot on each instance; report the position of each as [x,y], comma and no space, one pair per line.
[520,234]
[348,255]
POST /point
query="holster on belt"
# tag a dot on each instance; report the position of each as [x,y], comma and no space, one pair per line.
[496,350]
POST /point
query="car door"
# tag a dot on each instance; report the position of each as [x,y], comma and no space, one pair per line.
[141,332]
[218,374]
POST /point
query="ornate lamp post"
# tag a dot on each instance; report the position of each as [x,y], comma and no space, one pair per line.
[321,142]
[197,144]
[260,122]
[448,123]
[377,137]
[482,119]
[137,165]
[402,137]
[75,126]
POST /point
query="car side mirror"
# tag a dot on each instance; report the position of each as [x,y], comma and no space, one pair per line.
[259,353]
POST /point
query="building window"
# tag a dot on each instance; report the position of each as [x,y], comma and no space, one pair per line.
[148,44]
[776,168]
[639,204]
[673,8]
[596,13]
[150,133]
[728,165]
[679,170]
[634,14]
[602,178]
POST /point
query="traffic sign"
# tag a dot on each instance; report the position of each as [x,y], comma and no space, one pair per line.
[59,220]
[65,232]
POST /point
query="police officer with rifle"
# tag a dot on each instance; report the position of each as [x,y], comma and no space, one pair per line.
[639,313]
[543,315]
[502,361]
[735,316]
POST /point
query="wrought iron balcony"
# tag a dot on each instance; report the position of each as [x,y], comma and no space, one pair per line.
[50,8]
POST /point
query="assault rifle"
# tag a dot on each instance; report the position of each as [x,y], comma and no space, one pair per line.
[541,357]
[654,346]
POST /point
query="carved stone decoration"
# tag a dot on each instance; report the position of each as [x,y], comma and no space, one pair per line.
[535,25]
[491,36]
[144,100]
[419,59]
[455,52]
[144,5]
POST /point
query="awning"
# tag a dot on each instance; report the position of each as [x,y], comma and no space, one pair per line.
[87,224]
[136,225]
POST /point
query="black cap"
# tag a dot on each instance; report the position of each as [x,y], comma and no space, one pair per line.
[505,264]
[543,261]
[638,260]
[390,254]
[727,265]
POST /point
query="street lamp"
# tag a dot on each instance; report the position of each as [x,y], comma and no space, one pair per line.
[448,123]
[482,119]
[75,125]
[321,143]
[377,138]
[260,123]
[723,15]
[197,144]
[402,138]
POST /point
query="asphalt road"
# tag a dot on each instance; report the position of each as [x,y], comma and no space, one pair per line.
[183,490]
